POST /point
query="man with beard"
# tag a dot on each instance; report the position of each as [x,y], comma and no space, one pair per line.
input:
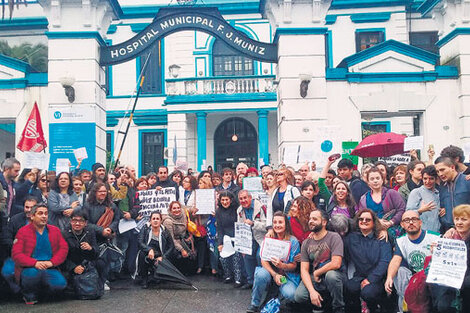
[323,250]
[98,176]
[411,248]
[164,182]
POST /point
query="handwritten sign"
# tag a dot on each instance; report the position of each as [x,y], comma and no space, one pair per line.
[37,160]
[449,263]
[262,196]
[205,201]
[62,165]
[413,143]
[80,153]
[275,248]
[243,238]
[126,225]
[396,159]
[252,184]
[156,200]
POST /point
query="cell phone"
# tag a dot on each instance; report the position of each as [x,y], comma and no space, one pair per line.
[334,157]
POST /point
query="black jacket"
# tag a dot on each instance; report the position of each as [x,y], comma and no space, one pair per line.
[225,222]
[16,222]
[76,255]
[358,188]
[233,188]
[167,245]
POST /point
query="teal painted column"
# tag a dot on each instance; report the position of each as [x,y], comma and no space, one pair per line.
[263,137]
[201,139]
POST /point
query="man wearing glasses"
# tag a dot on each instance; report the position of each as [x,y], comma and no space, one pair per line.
[411,248]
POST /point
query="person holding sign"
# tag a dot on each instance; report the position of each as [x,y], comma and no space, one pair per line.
[252,213]
[321,258]
[283,272]
[62,201]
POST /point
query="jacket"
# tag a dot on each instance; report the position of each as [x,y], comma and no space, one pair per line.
[451,194]
[225,217]
[4,216]
[76,255]
[16,222]
[259,220]
[290,194]
[369,255]
[358,188]
[166,243]
[391,200]
[25,243]
[95,211]
[167,184]
[57,208]
[177,228]
[22,190]
[430,218]
[233,188]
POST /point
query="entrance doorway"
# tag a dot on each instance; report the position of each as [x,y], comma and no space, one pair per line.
[235,141]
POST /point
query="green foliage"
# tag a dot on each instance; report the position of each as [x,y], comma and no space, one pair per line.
[35,55]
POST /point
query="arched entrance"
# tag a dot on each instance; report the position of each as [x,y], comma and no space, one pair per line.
[228,152]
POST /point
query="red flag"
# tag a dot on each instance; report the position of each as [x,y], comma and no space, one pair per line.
[32,138]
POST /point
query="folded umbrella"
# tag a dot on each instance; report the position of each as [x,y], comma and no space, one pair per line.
[166,271]
[380,145]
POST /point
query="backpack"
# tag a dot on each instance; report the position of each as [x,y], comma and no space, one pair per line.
[88,286]
[417,296]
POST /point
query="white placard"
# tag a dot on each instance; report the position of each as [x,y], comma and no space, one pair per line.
[252,184]
[262,196]
[126,225]
[449,263]
[37,160]
[291,154]
[413,143]
[275,248]
[80,154]
[243,238]
[62,165]
[227,249]
[466,151]
[156,200]
[306,153]
[396,159]
[205,201]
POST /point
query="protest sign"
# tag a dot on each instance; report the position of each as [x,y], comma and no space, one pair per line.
[126,225]
[306,153]
[80,153]
[449,263]
[252,184]
[275,248]
[413,143]
[262,196]
[205,201]
[37,160]
[156,200]
[62,165]
[396,159]
[291,154]
[243,238]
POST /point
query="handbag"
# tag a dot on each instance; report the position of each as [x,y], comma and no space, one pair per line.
[87,285]
[191,226]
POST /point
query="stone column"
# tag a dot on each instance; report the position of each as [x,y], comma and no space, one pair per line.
[201,139]
[76,31]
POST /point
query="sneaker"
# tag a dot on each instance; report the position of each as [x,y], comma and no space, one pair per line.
[228,280]
[238,284]
[30,301]
[252,309]
[106,286]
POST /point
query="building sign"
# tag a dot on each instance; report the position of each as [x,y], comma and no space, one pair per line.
[170,20]
[70,128]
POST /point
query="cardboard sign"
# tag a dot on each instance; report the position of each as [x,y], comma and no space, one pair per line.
[205,201]
[275,248]
[156,200]
[37,160]
[80,154]
[413,143]
[243,238]
[449,263]
[62,165]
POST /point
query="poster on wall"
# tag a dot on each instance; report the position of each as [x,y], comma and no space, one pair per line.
[71,128]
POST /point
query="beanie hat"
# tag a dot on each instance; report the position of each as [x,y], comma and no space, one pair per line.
[96,166]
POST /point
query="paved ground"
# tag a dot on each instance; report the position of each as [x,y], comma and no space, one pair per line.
[212,296]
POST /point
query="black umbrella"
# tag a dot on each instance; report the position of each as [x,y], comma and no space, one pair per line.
[166,271]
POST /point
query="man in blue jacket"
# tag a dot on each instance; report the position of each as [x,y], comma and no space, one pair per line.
[455,190]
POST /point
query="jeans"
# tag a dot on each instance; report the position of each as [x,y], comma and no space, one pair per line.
[401,282]
[261,284]
[251,262]
[34,280]
[129,246]
[331,282]
[8,272]
[233,266]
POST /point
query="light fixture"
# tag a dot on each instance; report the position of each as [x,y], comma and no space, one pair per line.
[174,70]
[234,137]
[67,82]
[304,81]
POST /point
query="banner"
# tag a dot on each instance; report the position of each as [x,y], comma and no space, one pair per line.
[243,238]
[396,159]
[32,139]
[449,263]
[275,248]
[156,200]
[71,128]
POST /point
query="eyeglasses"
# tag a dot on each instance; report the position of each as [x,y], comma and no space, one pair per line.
[365,220]
[80,221]
[43,180]
[280,174]
[409,220]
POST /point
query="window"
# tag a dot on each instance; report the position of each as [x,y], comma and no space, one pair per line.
[425,40]
[153,74]
[228,62]
[367,39]
[152,151]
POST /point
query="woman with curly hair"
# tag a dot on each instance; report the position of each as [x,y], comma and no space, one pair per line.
[299,214]
[341,201]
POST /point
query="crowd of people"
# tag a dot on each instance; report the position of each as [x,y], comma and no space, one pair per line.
[360,241]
